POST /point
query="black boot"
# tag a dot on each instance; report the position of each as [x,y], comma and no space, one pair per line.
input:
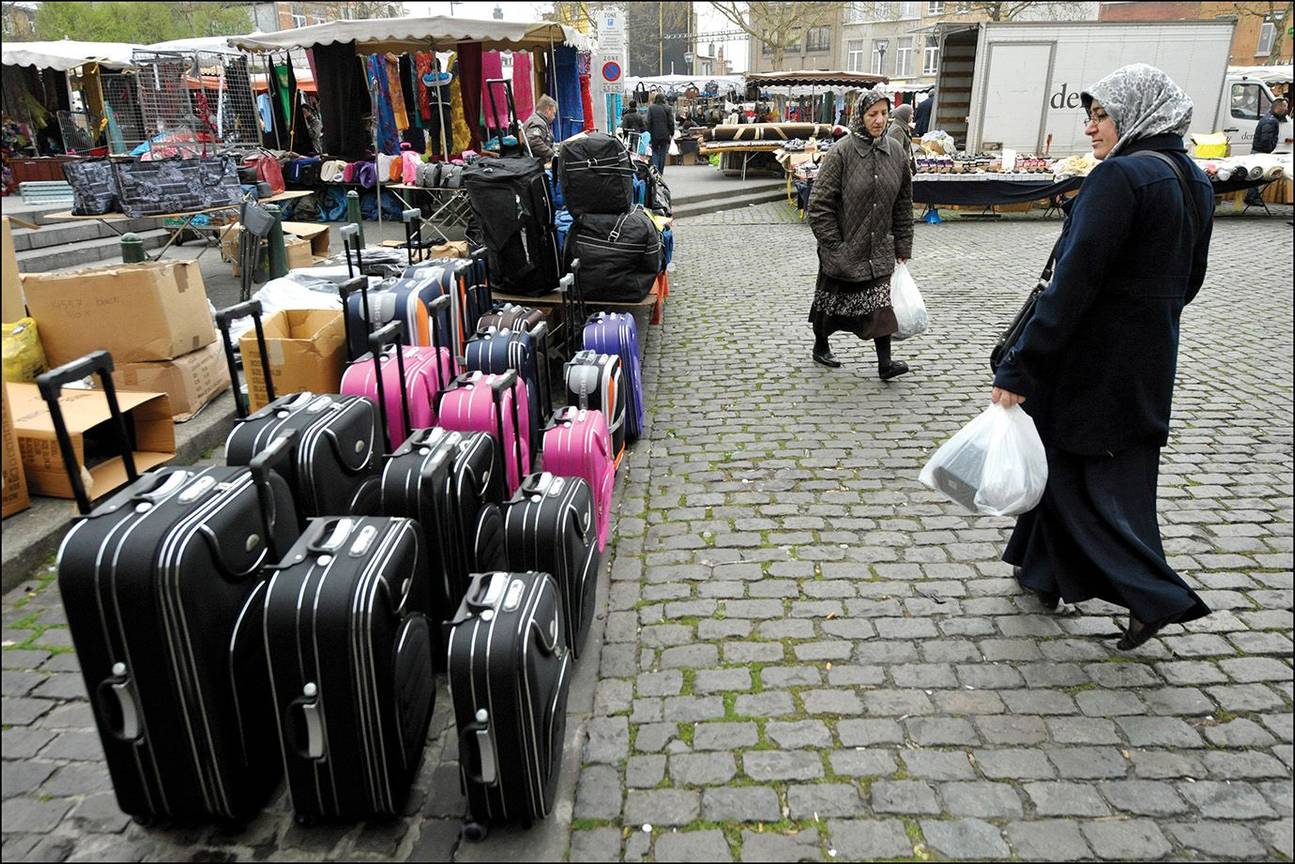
[823,353]
[887,368]
[1049,600]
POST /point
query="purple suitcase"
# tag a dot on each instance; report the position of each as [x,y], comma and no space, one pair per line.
[617,334]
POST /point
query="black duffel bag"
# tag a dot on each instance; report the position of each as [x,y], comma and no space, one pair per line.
[512,210]
[94,186]
[177,185]
[620,255]
[595,174]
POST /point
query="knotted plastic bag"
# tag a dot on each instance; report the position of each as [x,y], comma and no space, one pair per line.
[24,358]
[995,465]
[906,300]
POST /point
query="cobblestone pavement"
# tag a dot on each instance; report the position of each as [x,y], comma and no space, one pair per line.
[808,655]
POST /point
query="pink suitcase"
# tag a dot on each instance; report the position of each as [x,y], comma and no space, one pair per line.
[578,444]
[414,405]
[497,405]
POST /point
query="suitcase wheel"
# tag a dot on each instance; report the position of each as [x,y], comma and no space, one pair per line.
[305,820]
[473,831]
[145,820]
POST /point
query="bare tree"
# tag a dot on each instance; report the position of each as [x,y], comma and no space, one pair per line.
[1280,16]
[777,27]
[574,13]
[1008,11]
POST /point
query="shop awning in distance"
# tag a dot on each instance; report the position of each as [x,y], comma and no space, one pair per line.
[814,77]
[67,54]
[401,35]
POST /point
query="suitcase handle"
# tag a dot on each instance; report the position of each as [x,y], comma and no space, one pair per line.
[412,230]
[223,319]
[508,380]
[280,450]
[565,286]
[119,704]
[441,340]
[352,232]
[391,334]
[51,384]
[540,333]
[481,770]
[303,720]
[345,290]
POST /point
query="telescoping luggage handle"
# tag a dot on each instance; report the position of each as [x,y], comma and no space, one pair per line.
[512,120]
[345,290]
[573,307]
[351,233]
[280,450]
[412,233]
[223,319]
[51,385]
[392,334]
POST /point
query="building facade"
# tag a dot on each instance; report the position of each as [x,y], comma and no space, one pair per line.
[1262,37]
[817,45]
[273,17]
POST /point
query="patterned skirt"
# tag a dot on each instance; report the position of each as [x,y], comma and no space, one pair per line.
[861,308]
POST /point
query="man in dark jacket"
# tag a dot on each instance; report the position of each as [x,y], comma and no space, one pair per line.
[631,119]
[922,117]
[538,130]
[1266,135]
[660,126]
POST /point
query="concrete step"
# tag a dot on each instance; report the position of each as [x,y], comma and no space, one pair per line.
[13,206]
[82,254]
[714,204]
[724,193]
[59,233]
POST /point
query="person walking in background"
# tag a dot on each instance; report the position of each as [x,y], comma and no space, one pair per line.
[901,130]
[1095,365]
[660,127]
[631,119]
[923,114]
[861,213]
[1267,134]
[538,129]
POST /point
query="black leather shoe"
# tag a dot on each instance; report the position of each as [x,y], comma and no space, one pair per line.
[1137,634]
[1049,600]
[894,370]
[825,358]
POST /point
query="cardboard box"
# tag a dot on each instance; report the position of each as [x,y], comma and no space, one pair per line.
[307,349]
[315,233]
[90,425]
[11,300]
[189,381]
[137,312]
[298,252]
[13,486]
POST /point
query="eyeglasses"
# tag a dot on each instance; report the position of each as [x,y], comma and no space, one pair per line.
[1096,117]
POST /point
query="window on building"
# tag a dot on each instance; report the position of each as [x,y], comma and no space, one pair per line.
[904,57]
[931,56]
[854,55]
[934,8]
[347,12]
[1267,33]
[880,47]
[820,38]
[298,20]
[907,10]
[857,12]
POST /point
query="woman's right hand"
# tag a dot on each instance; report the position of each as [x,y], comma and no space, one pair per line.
[1006,398]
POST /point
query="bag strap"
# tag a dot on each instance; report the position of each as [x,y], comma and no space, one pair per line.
[1189,200]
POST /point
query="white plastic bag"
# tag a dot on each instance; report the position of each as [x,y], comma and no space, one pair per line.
[994,465]
[674,148]
[906,300]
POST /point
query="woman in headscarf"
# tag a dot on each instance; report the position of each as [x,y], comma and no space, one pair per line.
[1095,365]
[901,129]
[861,213]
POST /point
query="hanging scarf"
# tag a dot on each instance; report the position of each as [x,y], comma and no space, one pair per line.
[523,85]
[469,75]
[459,137]
[398,113]
[424,65]
[1142,101]
[375,66]
[586,94]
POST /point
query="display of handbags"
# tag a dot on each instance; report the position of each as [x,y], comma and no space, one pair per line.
[94,186]
[152,188]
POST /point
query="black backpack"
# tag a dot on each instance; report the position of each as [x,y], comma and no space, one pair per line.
[595,174]
[513,213]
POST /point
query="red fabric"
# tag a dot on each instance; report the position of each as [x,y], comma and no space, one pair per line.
[492,67]
[523,89]
[587,100]
[470,86]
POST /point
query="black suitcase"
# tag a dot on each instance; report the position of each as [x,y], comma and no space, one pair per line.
[549,527]
[620,256]
[509,671]
[163,589]
[334,464]
[350,658]
[443,480]
[596,174]
[525,351]
[514,214]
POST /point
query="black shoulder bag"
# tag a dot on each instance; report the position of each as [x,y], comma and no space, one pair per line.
[1012,334]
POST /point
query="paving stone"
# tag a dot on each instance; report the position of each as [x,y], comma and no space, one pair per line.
[691,709]
[1011,729]
[1088,763]
[702,769]
[903,796]
[1063,798]
[652,737]
[1082,730]
[863,733]
[1143,797]
[740,804]
[981,798]
[689,657]
[771,703]
[1135,839]
[1279,835]
[666,683]
[1159,732]
[1238,733]
[77,778]
[723,736]
[1218,839]
[34,815]
[661,806]
[861,762]
[790,676]
[832,702]
[938,764]
[594,845]
[1047,840]
[941,731]
[716,680]
[965,839]
[1223,800]
[818,801]
[23,742]
[868,839]
[706,845]
[797,734]
[609,739]
[1014,764]
[770,847]
[23,711]
[24,777]
[644,772]
[765,765]
[1244,765]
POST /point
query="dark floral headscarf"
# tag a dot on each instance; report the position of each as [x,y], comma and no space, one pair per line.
[1143,101]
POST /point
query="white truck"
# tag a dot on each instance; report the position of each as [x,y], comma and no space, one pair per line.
[1018,84]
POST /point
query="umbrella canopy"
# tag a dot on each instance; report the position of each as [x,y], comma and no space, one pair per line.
[399,35]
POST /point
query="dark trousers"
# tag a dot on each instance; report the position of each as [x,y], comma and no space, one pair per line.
[660,150]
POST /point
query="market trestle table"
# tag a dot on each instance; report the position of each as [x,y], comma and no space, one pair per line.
[186,218]
[748,149]
[451,207]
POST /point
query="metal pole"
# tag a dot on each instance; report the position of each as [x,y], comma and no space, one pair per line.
[377,149]
[553,69]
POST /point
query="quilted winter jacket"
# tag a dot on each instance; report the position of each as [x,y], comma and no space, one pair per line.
[861,208]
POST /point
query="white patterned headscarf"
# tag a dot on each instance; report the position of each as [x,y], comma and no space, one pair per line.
[1142,101]
[866,101]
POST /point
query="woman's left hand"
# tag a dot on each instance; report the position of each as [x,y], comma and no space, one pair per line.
[1006,398]
[902,260]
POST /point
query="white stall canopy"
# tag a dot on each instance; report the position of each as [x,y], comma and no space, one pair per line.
[67,54]
[400,35]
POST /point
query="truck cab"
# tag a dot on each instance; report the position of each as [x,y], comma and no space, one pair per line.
[1247,98]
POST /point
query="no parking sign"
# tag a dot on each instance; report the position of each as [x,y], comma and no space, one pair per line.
[612,71]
